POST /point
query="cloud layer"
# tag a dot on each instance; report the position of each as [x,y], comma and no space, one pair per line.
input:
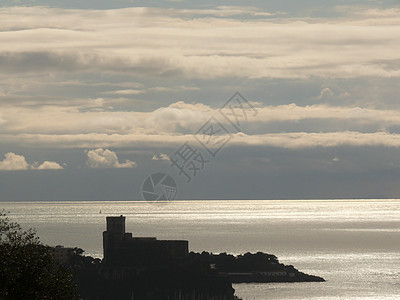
[112,89]
[290,126]
[155,41]
[39,74]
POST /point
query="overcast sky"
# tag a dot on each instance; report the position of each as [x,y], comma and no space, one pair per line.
[97,95]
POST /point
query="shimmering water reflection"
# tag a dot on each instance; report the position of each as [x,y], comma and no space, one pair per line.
[354,244]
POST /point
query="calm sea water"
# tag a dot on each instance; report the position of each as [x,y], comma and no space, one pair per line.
[353,244]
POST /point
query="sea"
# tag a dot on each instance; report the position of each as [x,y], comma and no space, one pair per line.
[353,244]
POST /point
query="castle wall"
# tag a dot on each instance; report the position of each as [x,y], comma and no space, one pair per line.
[120,248]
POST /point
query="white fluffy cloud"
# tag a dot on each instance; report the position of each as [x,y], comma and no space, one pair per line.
[49,165]
[104,158]
[13,162]
[160,156]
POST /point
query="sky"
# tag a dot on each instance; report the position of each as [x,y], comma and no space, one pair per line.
[232,100]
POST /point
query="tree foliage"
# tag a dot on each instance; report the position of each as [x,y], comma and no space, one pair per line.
[28,269]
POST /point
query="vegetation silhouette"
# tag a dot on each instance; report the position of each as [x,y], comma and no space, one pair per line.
[28,268]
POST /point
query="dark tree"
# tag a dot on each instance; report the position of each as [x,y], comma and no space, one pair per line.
[28,269]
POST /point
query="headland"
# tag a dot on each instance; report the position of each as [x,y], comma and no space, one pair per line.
[148,268]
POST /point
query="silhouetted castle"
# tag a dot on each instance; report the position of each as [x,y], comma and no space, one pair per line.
[146,268]
[120,248]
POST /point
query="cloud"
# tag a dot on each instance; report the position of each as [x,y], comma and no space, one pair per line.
[157,89]
[2,121]
[183,118]
[164,42]
[326,93]
[14,162]
[49,165]
[374,13]
[289,140]
[160,156]
[301,140]
[163,89]
[104,158]
[125,92]
[225,11]
[179,117]
[174,124]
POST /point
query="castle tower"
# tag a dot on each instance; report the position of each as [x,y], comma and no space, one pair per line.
[113,237]
[121,249]
[116,225]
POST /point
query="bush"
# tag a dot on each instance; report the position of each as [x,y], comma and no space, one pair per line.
[27,267]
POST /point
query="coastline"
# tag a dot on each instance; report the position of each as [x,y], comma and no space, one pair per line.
[324,238]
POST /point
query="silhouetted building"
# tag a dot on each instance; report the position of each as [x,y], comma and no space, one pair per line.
[120,248]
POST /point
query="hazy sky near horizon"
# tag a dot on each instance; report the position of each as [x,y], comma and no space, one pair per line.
[97,95]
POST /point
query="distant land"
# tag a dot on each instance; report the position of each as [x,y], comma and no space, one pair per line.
[148,268]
